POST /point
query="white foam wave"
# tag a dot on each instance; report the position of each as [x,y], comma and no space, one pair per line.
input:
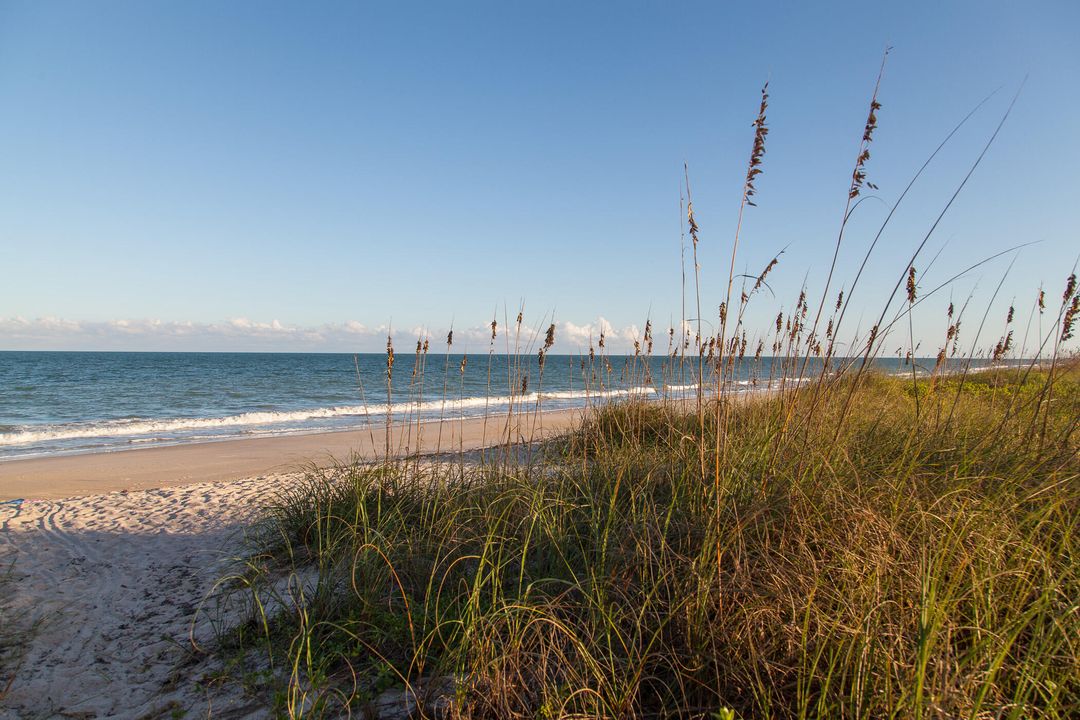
[156,427]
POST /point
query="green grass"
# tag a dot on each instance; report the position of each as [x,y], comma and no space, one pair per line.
[841,555]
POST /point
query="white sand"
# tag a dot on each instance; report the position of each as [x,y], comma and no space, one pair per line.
[113,582]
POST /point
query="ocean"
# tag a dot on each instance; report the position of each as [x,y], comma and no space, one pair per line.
[76,402]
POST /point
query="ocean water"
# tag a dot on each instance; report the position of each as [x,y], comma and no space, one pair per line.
[74,402]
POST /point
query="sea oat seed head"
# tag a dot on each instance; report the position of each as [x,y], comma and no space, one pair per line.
[1070,318]
[764,274]
[692,223]
[758,151]
[858,176]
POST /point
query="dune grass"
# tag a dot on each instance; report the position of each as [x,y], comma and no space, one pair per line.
[907,566]
[842,543]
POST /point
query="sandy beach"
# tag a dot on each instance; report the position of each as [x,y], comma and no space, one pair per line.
[110,556]
[106,588]
[67,476]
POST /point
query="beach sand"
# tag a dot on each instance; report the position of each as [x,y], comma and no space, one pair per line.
[157,467]
[107,587]
[111,555]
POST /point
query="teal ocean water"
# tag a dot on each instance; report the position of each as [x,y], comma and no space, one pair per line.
[72,402]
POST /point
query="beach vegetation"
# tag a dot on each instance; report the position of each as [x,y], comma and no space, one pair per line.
[836,542]
[884,560]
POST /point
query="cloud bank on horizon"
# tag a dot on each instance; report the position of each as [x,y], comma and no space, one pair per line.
[243,334]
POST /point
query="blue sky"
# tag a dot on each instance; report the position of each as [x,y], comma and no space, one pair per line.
[295,176]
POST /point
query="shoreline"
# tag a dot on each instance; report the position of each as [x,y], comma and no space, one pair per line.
[65,476]
[56,477]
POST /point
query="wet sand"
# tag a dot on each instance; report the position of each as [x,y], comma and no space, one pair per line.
[160,467]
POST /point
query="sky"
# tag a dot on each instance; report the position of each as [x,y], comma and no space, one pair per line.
[304,176]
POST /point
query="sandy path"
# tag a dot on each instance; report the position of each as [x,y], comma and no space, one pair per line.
[114,581]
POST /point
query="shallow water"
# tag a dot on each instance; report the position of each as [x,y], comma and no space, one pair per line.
[69,402]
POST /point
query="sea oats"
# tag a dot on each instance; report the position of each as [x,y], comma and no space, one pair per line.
[1071,301]
[858,177]
[389,358]
[1069,320]
[1003,346]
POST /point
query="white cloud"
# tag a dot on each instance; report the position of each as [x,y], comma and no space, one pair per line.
[245,334]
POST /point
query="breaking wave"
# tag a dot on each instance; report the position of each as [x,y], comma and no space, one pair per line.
[33,434]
